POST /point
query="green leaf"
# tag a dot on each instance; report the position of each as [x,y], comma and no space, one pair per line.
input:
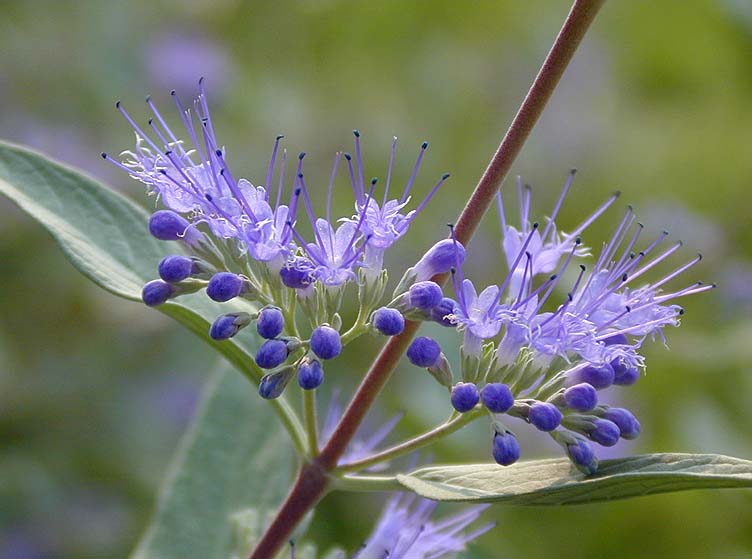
[102,232]
[233,468]
[556,482]
[106,237]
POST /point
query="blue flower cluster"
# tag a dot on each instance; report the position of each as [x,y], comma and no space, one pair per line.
[526,352]
[529,356]
[245,243]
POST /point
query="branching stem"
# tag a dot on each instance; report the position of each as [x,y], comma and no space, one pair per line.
[313,479]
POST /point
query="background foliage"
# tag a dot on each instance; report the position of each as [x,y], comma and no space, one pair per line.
[94,391]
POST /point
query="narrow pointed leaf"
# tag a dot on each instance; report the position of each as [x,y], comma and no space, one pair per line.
[556,482]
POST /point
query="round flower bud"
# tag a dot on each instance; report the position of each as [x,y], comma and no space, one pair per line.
[272,353]
[389,322]
[627,423]
[224,286]
[581,397]
[325,342]
[439,312]
[497,397]
[599,376]
[166,225]
[156,292]
[175,268]
[605,432]
[297,274]
[424,352]
[544,416]
[506,449]
[440,258]
[273,384]
[270,323]
[310,375]
[464,396]
[424,295]
[624,374]
[227,325]
[582,455]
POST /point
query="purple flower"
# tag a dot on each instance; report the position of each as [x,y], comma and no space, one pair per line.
[385,223]
[192,178]
[479,316]
[406,531]
[547,247]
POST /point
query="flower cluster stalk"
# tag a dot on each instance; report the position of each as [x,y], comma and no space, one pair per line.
[315,477]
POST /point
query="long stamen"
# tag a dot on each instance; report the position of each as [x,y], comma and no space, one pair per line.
[162,121]
[136,127]
[457,282]
[500,207]
[596,214]
[272,162]
[117,163]
[362,216]
[281,180]
[678,271]
[559,203]
[516,262]
[359,162]
[389,170]
[697,287]
[353,181]
[309,210]
[416,167]
[657,260]
[431,193]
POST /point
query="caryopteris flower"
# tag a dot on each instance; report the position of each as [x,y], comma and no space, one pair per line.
[406,531]
[540,345]
[543,358]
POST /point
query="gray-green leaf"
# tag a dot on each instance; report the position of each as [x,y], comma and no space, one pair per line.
[233,464]
[102,233]
[556,482]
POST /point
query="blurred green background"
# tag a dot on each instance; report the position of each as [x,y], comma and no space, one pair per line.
[94,391]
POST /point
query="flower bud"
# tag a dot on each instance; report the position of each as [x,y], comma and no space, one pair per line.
[225,286]
[270,323]
[440,258]
[227,325]
[424,295]
[544,416]
[627,423]
[599,376]
[464,396]
[166,225]
[624,374]
[497,397]
[273,384]
[175,268]
[506,449]
[389,322]
[604,432]
[581,397]
[272,353]
[157,292]
[424,352]
[310,374]
[297,274]
[581,453]
[326,342]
